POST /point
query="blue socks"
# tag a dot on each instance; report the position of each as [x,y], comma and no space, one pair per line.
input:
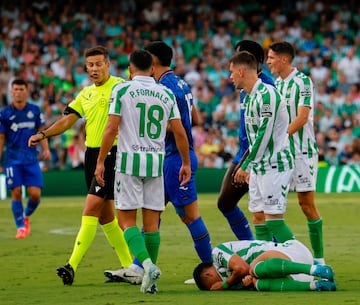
[18,212]
[201,238]
[239,224]
[31,207]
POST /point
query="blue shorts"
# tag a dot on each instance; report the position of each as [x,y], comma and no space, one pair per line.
[27,175]
[179,196]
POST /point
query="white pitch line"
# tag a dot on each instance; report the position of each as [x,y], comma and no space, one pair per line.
[70,231]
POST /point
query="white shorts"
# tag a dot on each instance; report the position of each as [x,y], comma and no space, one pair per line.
[268,193]
[304,174]
[297,252]
[131,192]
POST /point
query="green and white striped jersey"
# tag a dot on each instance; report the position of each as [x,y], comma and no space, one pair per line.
[266,122]
[145,108]
[248,250]
[298,90]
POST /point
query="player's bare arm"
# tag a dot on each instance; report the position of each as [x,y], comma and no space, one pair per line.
[110,133]
[57,128]
[182,144]
[300,120]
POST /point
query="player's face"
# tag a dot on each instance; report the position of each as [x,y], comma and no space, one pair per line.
[97,68]
[19,94]
[274,61]
[235,75]
[210,277]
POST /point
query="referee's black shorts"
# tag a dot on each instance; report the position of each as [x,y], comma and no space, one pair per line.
[91,155]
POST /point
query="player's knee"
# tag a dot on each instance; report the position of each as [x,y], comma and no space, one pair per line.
[180,211]
[226,204]
[309,210]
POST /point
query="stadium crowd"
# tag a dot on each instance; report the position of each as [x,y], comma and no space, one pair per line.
[44,42]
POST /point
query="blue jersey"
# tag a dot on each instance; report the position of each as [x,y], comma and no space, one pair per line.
[179,195]
[184,99]
[243,140]
[18,126]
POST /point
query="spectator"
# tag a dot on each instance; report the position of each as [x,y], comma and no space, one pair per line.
[348,110]
[345,154]
[213,160]
[355,156]
[350,66]
[331,156]
[319,73]
[326,121]
[76,152]
[56,31]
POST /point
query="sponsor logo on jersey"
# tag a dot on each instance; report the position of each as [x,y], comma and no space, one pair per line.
[149,148]
[15,127]
[266,111]
[250,120]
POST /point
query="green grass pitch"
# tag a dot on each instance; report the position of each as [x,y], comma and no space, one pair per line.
[27,274]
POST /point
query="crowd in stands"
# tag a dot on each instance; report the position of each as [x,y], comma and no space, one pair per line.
[44,41]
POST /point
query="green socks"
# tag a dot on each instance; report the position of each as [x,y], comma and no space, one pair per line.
[279,267]
[143,247]
[136,243]
[280,230]
[283,284]
[262,232]
[152,242]
[115,237]
[83,240]
[316,237]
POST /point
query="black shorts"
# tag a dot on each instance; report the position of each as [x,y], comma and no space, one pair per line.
[91,155]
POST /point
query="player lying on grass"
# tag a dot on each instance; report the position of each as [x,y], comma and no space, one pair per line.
[265,266]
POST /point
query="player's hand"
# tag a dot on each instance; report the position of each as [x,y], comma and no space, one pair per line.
[99,174]
[235,184]
[184,174]
[35,139]
[249,281]
[217,286]
[241,176]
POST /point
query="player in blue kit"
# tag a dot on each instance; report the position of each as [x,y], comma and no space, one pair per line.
[231,192]
[19,121]
[184,198]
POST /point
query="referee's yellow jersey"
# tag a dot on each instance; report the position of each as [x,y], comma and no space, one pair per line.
[92,102]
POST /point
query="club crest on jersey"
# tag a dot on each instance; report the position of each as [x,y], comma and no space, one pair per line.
[103,102]
[30,115]
[266,111]
[306,92]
